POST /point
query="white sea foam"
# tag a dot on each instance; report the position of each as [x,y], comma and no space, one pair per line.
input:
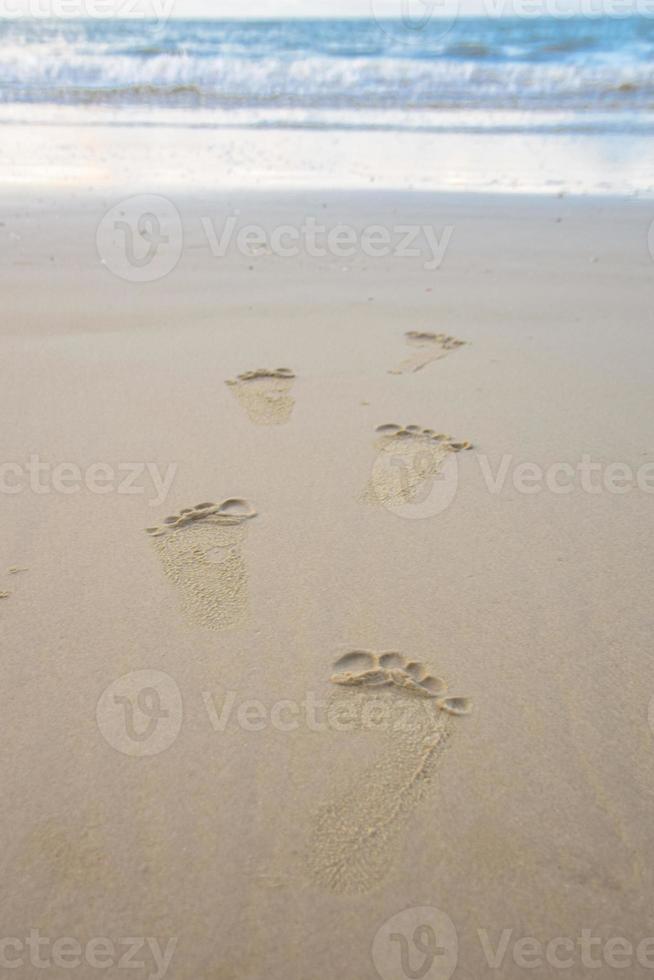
[285,73]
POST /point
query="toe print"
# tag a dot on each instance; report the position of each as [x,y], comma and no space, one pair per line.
[390,660]
[354,837]
[430,347]
[455,706]
[434,685]
[201,550]
[363,667]
[265,394]
[358,668]
[356,660]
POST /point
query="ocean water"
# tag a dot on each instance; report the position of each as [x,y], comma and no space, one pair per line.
[562,74]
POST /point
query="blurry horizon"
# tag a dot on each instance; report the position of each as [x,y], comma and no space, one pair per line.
[411,11]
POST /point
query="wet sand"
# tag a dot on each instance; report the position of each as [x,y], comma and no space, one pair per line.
[276,839]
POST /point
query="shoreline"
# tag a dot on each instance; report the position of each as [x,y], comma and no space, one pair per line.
[159,157]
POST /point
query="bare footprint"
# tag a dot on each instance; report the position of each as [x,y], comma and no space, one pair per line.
[265,394]
[408,459]
[355,838]
[431,347]
[12,570]
[201,550]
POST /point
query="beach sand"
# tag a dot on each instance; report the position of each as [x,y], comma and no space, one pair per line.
[277,840]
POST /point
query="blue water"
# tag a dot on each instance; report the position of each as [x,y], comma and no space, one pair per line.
[575,66]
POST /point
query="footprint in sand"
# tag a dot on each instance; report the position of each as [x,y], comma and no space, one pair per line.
[413,473]
[354,839]
[14,570]
[201,550]
[430,347]
[265,394]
